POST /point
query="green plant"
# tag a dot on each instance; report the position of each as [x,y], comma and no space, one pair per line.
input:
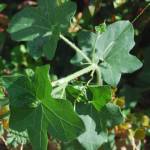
[68,109]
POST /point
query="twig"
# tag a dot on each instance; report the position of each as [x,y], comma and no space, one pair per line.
[138,16]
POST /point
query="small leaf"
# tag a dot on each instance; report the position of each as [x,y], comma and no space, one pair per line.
[101,95]
[145,121]
[101,28]
[139,134]
[76,93]
[120,101]
[41,26]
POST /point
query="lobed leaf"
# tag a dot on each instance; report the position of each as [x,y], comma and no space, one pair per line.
[41,26]
[33,109]
[110,50]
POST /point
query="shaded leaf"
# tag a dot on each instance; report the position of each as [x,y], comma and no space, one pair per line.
[111,116]
[108,117]
[42,25]
[76,93]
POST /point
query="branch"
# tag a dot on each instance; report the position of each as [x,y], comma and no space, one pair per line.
[74,75]
[78,50]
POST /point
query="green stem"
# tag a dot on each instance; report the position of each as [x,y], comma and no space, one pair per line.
[74,75]
[99,77]
[75,48]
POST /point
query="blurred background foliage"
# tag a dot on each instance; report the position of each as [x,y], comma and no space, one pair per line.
[133,92]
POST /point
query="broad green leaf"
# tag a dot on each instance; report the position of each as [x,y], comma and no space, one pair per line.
[90,139]
[101,95]
[33,109]
[41,26]
[111,50]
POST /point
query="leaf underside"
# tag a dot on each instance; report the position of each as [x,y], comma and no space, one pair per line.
[110,50]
